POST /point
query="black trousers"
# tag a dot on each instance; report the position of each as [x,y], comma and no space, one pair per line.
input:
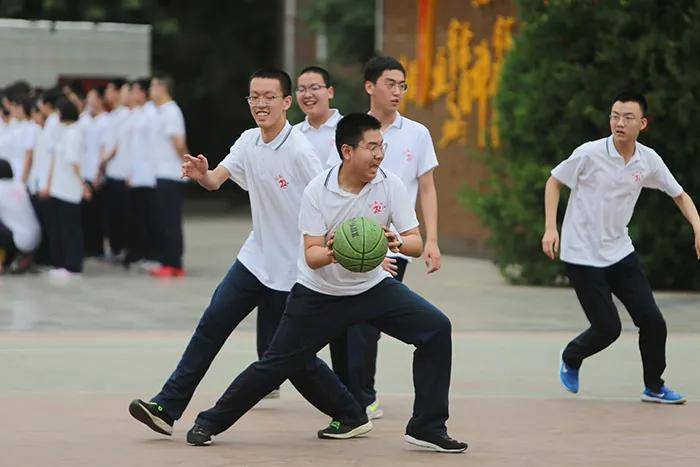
[7,245]
[169,197]
[43,208]
[142,224]
[66,236]
[594,289]
[354,354]
[116,214]
[92,218]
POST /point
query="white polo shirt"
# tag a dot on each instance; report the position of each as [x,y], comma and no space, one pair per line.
[169,122]
[142,170]
[94,129]
[118,137]
[275,175]
[67,185]
[604,191]
[17,213]
[325,206]
[43,154]
[323,138]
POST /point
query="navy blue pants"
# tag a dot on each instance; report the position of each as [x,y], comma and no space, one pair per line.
[92,218]
[116,214]
[169,197]
[66,236]
[235,297]
[354,354]
[43,209]
[141,241]
[311,320]
[595,288]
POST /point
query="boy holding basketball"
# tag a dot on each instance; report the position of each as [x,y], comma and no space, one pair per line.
[327,298]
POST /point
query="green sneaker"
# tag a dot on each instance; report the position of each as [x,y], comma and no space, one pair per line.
[374,411]
[152,415]
[338,430]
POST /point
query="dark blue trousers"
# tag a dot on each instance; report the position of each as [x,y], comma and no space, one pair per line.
[169,197]
[235,297]
[116,214]
[311,320]
[595,288]
[354,354]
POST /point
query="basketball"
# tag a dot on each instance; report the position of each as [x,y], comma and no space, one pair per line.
[360,244]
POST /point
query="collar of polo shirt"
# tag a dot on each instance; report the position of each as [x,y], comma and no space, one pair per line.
[397,123]
[615,154]
[279,140]
[331,182]
[332,121]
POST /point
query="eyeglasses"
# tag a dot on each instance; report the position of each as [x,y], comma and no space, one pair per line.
[253,100]
[310,88]
[375,149]
[391,85]
[626,118]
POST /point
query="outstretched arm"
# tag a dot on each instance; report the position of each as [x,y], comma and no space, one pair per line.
[197,168]
[550,239]
[687,206]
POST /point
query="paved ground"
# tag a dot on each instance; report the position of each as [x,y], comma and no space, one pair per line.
[72,355]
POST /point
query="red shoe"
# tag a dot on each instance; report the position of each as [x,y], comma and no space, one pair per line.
[167,271]
[178,272]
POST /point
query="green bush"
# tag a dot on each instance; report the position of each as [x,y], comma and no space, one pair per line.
[571,57]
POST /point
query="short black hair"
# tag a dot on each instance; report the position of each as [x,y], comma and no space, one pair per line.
[275,73]
[630,96]
[117,82]
[68,112]
[28,104]
[166,81]
[142,83]
[100,90]
[5,169]
[351,129]
[378,65]
[77,88]
[318,70]
[50,96]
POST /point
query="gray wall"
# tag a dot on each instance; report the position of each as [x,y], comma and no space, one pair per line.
[41,51]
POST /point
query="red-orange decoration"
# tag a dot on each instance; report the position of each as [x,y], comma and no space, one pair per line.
[425,46]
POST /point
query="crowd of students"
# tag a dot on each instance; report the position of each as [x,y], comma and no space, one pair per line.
[81,170]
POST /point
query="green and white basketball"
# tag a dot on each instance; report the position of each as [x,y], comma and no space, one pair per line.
[360,244]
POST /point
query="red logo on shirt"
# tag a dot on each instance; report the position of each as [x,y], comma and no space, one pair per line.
[408,154]
[281,181]
[377,207]
[637,176]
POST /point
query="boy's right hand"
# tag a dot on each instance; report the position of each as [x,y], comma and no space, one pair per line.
[550,243]
[195,167]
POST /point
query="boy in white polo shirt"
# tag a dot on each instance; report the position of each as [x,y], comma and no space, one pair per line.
[328,298]
[606,177]
[411,156]
[314,93]
[169,146]
[273,163]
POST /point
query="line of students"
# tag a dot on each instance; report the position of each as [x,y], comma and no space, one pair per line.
[101,166]
[296,202]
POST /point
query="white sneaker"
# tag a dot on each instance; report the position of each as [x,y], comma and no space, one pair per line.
[374,411]
[62,274]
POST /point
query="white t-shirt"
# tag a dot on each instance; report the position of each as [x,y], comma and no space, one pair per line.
[43,154]
[118,137]
[325,206]
[604,192]
[323,138]
[169,122]
[66,185]
[94,129]
[275,175]
[17,213]
[409,154]
[142,172]
[13,146]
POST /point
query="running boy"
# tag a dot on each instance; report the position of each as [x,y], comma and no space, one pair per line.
[605,177]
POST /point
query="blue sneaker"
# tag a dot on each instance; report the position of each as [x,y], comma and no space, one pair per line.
[666,396]
[568,375]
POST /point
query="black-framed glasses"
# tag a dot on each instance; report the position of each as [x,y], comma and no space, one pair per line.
[311,88]
[253,100]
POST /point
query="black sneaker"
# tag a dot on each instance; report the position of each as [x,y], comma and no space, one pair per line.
[198,436]
[152,415]
[338,430]
[439,442]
